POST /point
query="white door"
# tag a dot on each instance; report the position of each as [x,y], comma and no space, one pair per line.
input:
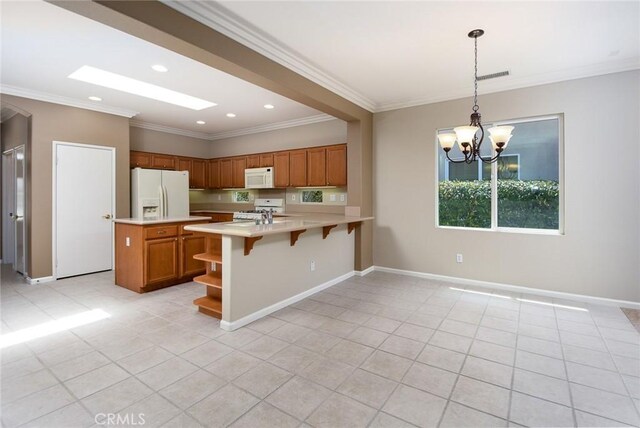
[20,177]
[8,207]
[83,206]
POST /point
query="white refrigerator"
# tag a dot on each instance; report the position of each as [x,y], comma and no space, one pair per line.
[159,194]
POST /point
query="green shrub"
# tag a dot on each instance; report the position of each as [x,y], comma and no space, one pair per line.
[525,204]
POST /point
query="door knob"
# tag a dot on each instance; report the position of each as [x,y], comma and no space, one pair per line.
[107,216]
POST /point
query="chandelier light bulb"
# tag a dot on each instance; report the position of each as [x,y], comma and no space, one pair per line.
[447,141]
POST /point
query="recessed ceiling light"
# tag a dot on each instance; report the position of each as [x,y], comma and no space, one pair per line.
[160,68]
[231,115]
[201,122]
[132,86]
[269,106]
[92,98]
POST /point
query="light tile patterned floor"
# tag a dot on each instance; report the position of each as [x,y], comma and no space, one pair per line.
[380,351]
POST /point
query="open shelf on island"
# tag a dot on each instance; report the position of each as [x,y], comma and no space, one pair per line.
[211,279]
[209,305]
[207,257]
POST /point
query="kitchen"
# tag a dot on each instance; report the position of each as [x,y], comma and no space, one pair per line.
[273,225]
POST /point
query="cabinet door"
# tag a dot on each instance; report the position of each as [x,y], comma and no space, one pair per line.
[239,165]
[190,246]
[253,161]
[226,173]
[163,162]
[214,174]
[266,159]
[337,165]
[184,164]
[281,169]
[198,174]
[317,167]
[139,159]
[161,260]
[297,168]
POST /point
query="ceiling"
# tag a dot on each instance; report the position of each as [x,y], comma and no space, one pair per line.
[390,54]
[42,44]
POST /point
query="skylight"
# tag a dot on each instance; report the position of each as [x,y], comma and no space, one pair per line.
[132,86]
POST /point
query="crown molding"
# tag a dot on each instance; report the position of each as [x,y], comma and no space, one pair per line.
[514,82]
[169,129]
[272,126]
[66,101]
[221,19]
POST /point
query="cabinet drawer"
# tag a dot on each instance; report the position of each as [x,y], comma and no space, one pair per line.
[160,232]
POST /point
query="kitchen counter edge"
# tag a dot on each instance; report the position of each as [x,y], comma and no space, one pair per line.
[142,222]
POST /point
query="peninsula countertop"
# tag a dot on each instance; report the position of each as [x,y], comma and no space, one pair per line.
[143,222]
[280,225]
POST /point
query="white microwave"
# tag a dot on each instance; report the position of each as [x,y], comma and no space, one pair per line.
[258,178]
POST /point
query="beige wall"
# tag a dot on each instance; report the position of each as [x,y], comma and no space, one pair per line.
[14,132]
[53,122]
[147,140]
[600,251]
[314,134]
[255,289]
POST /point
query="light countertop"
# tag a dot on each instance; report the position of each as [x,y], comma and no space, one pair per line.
[280,225]
[213,211]
[144,222]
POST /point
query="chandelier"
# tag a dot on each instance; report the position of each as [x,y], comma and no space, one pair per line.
[467,136]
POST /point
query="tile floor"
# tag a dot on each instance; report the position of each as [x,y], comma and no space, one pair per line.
[379,351]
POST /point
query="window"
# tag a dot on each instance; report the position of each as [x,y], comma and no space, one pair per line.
[312,196]
[240,196]
[519,191]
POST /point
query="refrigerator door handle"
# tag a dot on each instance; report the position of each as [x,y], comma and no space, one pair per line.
[166,201]
[161,199]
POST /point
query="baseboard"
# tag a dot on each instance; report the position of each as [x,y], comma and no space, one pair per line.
[364,272]
[33,281]
[513,288]
[234,325]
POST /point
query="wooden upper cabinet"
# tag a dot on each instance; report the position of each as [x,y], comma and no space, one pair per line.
[213,177]
[239,165]
[297,168]
[139,159]
[226,173]
[317,167]
[198,174]
[184,164]
[280,169]
[253,161]
[266,159]
[337,165]
[163,161]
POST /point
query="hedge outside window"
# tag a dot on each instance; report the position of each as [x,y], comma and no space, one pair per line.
[241,196]
[524,185]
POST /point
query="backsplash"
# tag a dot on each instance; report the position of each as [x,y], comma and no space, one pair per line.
[333,200]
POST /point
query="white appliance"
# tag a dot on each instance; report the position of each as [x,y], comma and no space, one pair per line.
[159,194]
[260,206]
[258,178]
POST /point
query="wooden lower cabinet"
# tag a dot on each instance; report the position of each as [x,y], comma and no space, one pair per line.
[149,257]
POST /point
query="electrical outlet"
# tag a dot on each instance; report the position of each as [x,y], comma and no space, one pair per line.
[459,258]
[332,198]
[342,197]
[293,197]
[127,241]
[312,265]
[219,197]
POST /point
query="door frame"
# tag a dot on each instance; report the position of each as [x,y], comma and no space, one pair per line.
[9,193]
[54,183]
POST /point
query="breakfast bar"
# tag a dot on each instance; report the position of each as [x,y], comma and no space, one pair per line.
[254,269]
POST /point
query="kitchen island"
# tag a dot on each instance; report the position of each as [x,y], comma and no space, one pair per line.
[156,253]
[253,269]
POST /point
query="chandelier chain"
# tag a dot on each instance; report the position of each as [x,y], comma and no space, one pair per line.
[475,76]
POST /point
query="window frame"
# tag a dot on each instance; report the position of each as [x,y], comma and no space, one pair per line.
[235,197]
[494,181]
[302,201]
